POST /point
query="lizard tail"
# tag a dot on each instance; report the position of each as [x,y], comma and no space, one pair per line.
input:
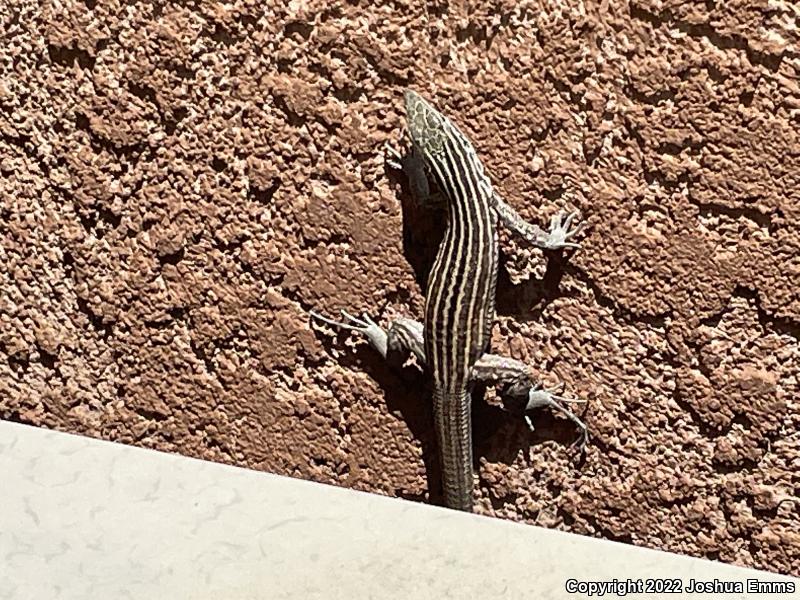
[454,435]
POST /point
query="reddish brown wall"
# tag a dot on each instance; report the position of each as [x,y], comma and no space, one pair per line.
[181,184]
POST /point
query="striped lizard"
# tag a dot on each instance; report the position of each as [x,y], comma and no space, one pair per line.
[460,298]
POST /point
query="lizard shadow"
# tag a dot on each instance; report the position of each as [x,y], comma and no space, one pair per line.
[406,391]
[423,231]
[527,300]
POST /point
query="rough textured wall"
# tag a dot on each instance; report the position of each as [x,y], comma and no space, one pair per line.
[182,183]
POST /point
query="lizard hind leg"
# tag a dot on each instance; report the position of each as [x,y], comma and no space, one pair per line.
[515,379]
[402,335]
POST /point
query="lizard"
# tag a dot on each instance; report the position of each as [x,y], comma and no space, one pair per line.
[460,295]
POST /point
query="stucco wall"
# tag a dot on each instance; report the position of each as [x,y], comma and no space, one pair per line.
[181,184]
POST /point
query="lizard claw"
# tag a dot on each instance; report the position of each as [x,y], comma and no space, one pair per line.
[538,396]
[561,232]
[394,158]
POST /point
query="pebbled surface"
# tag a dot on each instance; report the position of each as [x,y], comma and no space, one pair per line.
[181,183]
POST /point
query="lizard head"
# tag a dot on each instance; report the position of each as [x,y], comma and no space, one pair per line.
[439,140]
[426,125]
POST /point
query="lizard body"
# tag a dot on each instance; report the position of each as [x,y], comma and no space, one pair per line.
[460,295]
[459,306]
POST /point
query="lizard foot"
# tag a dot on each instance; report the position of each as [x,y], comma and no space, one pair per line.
[394,158]
[365,325]
[560,232]
[538,396]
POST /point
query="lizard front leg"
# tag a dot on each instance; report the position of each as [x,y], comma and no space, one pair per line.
[558,237]
[412,165]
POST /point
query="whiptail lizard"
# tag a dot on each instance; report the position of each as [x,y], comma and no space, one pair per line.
[460,300]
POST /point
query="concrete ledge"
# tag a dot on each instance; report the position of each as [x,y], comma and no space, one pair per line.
[86,519]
